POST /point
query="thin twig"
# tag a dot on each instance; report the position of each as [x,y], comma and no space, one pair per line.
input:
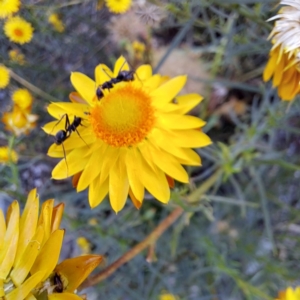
[148,241]
[32,87]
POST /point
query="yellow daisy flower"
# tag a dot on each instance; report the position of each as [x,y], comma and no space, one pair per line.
[8,7]
[84,245]
[4,77]
[283,65]
[7,155]
[29,252]
[18,30]
[167,296]
[118,6]
[56,22]
[23,99]
[19,121]
[17,57]
[136,136]
[289,294]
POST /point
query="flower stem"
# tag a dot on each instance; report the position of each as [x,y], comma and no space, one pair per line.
[148,241]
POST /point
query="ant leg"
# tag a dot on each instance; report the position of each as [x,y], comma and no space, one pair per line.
[67,124]
[80,136]
[65,158]
[64,115]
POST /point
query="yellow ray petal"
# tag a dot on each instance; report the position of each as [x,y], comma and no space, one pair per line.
[188,138]
[72,109]
[75,163]
[111,156]
[76,98]
[187,102]
[22,268]
[46,218]
[22,291]
[143,72]
[168,164]
[97,191]
[167,91]
[53,127]
[152,83]
[175,121]
[120,65]
[154,181]
[134,200]
[2,229]
[118,185]
[103,74]
[133,170]
[71,143]
[57,213]
[92,169]
[30,297]
[49,254]
[28,223]
[157,137]
[193,158]
[58,109]
[270,67]
[8,252]
[63,296]
[84,85]
[77,269]
[279,72]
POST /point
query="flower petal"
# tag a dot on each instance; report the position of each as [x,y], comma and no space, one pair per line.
[168,164]
[85,86]
[28,223]
[143,72]
[26,261]
[118,185]
[121,65]
[176,121]
[77,269]
[8,252]
[167,91]
[49,254]
[154,181]
[133,171]
[22,291]
[103,74]
[97,191]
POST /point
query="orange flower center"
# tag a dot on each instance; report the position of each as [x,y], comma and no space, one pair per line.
[124,117]
[18,32]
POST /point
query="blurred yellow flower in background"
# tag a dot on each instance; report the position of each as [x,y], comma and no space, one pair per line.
[289,294]
[4,77]
[7,155]
[29,252]
[8,7]
[84,245]
[56,22]
[167,296]
[17,57]
[19,121]
[284,62]
[133,137]
[18,30]
[118,6]
[23,98]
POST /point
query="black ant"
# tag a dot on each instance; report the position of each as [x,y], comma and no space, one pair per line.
[62,135]
[122,76]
